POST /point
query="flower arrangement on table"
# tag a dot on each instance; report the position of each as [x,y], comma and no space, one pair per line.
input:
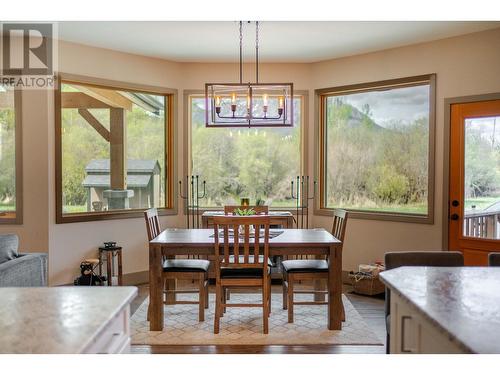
[245,212]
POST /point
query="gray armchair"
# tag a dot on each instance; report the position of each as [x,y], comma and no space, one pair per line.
[20,270]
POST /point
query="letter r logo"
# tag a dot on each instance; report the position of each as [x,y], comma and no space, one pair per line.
[27,49]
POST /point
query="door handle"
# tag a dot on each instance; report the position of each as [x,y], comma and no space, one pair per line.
[454,217]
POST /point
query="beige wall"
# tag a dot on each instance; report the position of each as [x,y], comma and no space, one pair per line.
[465,65]
[69,243]
[34,232]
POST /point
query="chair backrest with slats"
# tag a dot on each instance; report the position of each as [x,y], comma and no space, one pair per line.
[338,231]
[339,224]
[152,223]
[235,247]
[229,210]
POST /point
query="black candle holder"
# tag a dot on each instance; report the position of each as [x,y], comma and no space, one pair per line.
[302,198]
[191,199]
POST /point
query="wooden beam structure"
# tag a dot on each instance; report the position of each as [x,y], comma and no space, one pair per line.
[80,100]
[118,152]
[101,129]
[110,97]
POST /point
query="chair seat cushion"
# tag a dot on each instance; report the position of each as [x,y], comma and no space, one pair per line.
[250,259]
[186,265]
[242,273]
[305,265]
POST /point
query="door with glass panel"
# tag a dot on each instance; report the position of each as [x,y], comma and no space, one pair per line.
[474,192]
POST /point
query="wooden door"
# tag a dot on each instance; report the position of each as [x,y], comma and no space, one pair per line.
[474,193]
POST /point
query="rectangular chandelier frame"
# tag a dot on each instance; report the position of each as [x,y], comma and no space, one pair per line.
[229,105]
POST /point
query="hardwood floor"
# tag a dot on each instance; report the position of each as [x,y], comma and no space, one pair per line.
[370,308]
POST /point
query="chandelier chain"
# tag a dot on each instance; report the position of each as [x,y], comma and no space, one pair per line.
[241,51]
[257,51]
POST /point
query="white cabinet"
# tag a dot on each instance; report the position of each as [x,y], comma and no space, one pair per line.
[412,333]
[115,338]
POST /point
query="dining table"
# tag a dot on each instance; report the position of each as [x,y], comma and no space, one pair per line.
[175,242]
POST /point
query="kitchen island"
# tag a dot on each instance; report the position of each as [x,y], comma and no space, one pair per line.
[65,320]
[444,309]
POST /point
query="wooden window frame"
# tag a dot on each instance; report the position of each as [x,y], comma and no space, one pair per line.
[320,146]
[170,149]
[16,217]
[189,94]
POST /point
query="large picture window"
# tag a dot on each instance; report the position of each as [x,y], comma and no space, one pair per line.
[377,147]
[254,163]
[10,156]
[114,147]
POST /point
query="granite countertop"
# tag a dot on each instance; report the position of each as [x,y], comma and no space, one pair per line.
[463,302]
[59,319]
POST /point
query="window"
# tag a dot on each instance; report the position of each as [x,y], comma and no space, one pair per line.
[114,151]
[254,163]
[377,148]
[10,156]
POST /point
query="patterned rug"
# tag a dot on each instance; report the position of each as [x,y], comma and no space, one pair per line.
[243,326]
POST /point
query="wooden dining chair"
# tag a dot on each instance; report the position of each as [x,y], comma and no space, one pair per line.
[180,269]
[298,270]
[245,267]
[259,210]
[230,210]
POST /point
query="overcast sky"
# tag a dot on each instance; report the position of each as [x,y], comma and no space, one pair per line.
[406,104]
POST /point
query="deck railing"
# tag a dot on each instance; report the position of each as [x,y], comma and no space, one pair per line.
[482,224]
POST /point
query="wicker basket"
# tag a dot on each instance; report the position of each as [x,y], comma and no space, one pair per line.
[366,285]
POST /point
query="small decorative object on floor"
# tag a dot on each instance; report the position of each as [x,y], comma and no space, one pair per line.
[111,251]
[88,276]
[366,280]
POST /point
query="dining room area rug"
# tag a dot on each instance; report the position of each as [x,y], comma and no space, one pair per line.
[243,326]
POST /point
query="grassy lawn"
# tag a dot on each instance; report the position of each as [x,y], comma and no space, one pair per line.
[416,208]
[481,203]
[7,207]
[74,209]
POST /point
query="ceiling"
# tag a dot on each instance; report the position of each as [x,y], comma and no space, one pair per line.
[284,41]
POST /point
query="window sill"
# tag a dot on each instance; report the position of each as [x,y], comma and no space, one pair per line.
[110,215]
[381,216]
[10,218]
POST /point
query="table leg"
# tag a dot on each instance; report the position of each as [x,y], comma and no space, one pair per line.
[155,288]
[171,284]
[120,269]
[335,288]
[109,262]
[100,262]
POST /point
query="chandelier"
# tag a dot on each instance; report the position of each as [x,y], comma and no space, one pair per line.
[248,104]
